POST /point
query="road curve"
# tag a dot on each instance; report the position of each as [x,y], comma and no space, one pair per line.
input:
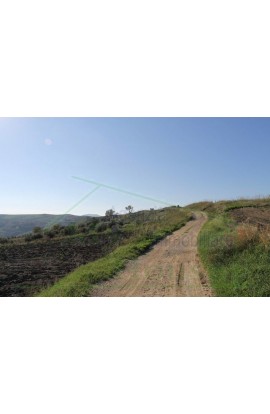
[170,269]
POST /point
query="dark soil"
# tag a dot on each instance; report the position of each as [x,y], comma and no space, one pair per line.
[27,268]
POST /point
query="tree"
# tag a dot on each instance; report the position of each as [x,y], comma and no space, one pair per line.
[110,214]
[130,209]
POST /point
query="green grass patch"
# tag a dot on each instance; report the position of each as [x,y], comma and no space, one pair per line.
[237,262]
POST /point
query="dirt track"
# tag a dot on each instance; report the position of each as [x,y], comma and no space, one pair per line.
[172,268]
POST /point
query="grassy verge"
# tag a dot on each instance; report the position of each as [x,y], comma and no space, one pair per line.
[236,256]
[79,282]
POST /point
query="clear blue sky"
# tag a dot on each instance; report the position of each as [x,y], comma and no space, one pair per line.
[176,160]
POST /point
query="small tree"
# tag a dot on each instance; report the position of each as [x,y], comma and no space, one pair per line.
[110,214]
[130,209]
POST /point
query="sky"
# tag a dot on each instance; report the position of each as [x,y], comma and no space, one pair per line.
[172,161]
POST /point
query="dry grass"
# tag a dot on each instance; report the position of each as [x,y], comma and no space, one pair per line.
[246,234]
[264,237]
[236,257]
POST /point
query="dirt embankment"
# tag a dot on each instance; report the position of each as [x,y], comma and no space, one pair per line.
[172,268]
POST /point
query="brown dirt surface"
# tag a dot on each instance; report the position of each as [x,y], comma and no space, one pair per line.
[254,216]
[170,269]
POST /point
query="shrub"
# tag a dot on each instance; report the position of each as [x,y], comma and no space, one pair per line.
[37,236]
[57,228]
[115,228]
[100,227]
[31,237]
[69,230]
[81,228]
[91,223]
[50,234]
[37,230]
[28,237]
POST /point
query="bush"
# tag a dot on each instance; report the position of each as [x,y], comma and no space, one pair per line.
[37,230]
[100,227]
[57,228]
[115,228]
[91,223]
[28,238]
[32,237]
[69,230]
[81,228]
[50,234]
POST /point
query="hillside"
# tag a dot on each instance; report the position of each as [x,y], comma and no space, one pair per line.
[17,225]
[235,246]
[39,260]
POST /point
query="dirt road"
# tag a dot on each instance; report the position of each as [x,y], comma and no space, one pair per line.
[172,268]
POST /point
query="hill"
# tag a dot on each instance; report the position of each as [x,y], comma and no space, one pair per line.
[234,246]
[39,260]
[17,225]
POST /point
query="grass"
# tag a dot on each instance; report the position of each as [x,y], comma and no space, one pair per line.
[143,236]
[236,255]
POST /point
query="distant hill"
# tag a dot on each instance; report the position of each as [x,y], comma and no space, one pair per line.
[19,224]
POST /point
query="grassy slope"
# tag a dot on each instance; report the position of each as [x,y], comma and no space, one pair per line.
[78,283]
[234,255]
